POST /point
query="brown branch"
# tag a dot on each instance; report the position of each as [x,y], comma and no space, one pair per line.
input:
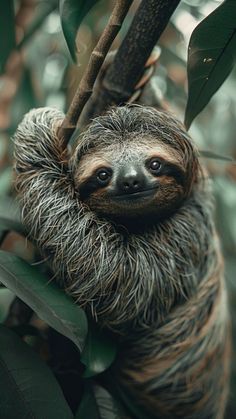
[121,77]
[96,60]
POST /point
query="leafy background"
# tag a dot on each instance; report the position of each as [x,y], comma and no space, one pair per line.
[40,72]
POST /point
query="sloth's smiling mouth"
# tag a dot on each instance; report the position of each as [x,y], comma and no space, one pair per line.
[136,195]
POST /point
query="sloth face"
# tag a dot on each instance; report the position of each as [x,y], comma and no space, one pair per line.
[125,173]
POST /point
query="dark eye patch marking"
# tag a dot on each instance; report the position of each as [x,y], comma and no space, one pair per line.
[168,169]
[173,170]
[93,183]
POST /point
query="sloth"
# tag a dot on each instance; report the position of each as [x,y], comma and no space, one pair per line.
[126,223]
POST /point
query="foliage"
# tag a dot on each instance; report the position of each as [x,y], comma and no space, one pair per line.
[211,57]
[7,31]
[28,387]
[72,13]
[43,75]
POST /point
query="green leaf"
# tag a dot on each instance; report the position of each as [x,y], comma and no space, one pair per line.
[211,57]
[28,387]
[97,403]
[7,31]
[7,224]
[5,181]
[99,351]
[88,406]
[44,297]
[72,13]
[211,155]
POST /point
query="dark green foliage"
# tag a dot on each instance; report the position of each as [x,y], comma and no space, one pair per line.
[46,299]
[97,403]
[72,13]
[97,343]
[211,57]
[7,31]
[28,387]
[7,224]
[24,100]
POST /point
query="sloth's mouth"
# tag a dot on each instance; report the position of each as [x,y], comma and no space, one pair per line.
[135,195]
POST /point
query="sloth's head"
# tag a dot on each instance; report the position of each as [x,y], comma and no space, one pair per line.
[134,162]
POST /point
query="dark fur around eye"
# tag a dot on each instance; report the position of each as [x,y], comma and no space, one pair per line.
[88,187]
[166,169]
[93,183]
[174,171]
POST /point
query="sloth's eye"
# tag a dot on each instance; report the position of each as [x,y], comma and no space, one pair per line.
[155,166]
[103,176]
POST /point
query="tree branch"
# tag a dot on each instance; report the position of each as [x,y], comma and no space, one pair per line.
[148,24]
[98,55]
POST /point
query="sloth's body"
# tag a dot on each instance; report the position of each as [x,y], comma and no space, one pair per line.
[127,227]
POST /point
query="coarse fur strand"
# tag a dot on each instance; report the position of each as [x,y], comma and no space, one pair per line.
[160,288]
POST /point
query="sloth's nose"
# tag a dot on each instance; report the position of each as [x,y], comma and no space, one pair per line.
[131,181]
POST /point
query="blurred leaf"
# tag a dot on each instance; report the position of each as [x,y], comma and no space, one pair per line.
[99,351]
[72,13]
[44,10]
[88,407]
[24,100]
[97,403]
[211,155]
[25,330]
[5,181]
[3,235]
[28,387]
[211,57]
[7,224]
[49,302]
[7,31]
[9,208]
[6,298]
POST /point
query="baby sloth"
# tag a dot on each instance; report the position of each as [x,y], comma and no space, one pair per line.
[126,224]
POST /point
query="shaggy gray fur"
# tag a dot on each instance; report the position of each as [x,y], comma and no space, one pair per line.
[160,290]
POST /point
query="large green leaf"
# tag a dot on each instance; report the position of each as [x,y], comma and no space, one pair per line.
[97,403]
[99,352]
[45,298]
[72,13]
[211,57]
[7,31]
[28,387]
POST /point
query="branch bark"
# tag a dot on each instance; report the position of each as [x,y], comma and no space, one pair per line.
[98,55]
[148,24]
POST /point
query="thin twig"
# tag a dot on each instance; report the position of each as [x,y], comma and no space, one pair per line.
[96,60]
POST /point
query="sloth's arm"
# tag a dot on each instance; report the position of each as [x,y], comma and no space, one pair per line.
[36,145]
[58,222]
